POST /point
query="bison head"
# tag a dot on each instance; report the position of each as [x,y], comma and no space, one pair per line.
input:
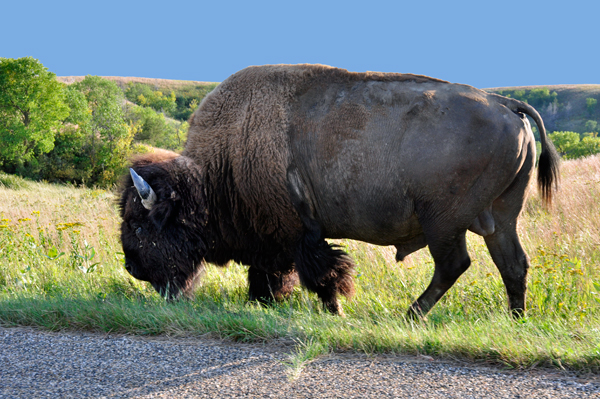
[163,219]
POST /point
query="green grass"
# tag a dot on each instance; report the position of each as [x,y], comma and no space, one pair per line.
[12,181]
[61,269]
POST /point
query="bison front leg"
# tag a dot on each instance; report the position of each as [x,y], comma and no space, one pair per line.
[326,270]
[266,287]
[451,260]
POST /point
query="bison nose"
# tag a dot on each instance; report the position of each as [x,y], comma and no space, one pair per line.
[128,266]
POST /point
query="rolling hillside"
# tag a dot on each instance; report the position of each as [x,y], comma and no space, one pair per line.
[567,110]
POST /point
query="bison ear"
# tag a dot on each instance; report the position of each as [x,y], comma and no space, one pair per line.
[162,213]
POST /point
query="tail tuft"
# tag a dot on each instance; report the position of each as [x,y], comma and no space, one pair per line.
[548,172]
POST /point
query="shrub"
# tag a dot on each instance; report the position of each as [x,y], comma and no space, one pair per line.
[156,130]
[571,146]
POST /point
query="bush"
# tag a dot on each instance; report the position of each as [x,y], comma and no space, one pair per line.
[188,99]
[179,104]
[156,130]
[143,95]
[571,146]
[538,98]
[591,126]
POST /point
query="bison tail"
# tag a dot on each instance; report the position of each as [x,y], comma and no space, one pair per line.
[549,162]
[548,172]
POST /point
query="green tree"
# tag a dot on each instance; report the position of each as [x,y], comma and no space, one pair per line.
[541,97]
[589,145]
[151,124]
[155,129]
[69,159]
[193,105]
[106,135]
[591,105]
[32,108]
[538,97]
[520,95]
[135,90]
[571,146]
[179,104]
[564,141]
[591,126]
[163,103]
[188,98]
[143,95]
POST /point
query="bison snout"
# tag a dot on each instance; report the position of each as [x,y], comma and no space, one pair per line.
[133,270]
[170,292]
[129,267]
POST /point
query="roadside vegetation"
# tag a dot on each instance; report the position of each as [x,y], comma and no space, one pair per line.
[61,268]
[61,265]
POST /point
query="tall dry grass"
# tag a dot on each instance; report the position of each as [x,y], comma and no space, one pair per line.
[57,209]
[574,219]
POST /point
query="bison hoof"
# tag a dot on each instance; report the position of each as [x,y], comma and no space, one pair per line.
[517,313]
[335,308]
[415,313]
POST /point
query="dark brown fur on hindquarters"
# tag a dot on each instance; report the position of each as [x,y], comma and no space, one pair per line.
[267,287]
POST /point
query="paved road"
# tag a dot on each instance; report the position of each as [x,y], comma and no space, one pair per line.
[36,364]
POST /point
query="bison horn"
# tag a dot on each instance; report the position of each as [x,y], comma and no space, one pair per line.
[144,190]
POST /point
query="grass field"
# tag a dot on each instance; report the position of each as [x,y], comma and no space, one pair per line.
[61,267]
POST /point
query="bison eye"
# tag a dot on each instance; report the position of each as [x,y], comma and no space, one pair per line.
[138,231]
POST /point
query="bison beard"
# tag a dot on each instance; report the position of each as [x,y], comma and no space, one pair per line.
[279,158]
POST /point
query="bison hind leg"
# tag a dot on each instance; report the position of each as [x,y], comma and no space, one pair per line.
[269,287]
[325,269]
[511,260]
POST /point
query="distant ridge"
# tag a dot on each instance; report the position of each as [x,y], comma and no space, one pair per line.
[122,81]
[585,87]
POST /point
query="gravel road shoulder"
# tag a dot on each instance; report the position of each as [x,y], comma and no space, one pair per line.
[37,364]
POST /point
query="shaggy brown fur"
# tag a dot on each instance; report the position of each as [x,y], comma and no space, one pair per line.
[280,157]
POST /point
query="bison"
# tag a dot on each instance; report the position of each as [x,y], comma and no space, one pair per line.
[280,157]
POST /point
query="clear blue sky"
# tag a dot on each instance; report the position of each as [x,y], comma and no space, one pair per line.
[481,43]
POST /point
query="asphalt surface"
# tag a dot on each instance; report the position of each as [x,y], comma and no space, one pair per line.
[37,364]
